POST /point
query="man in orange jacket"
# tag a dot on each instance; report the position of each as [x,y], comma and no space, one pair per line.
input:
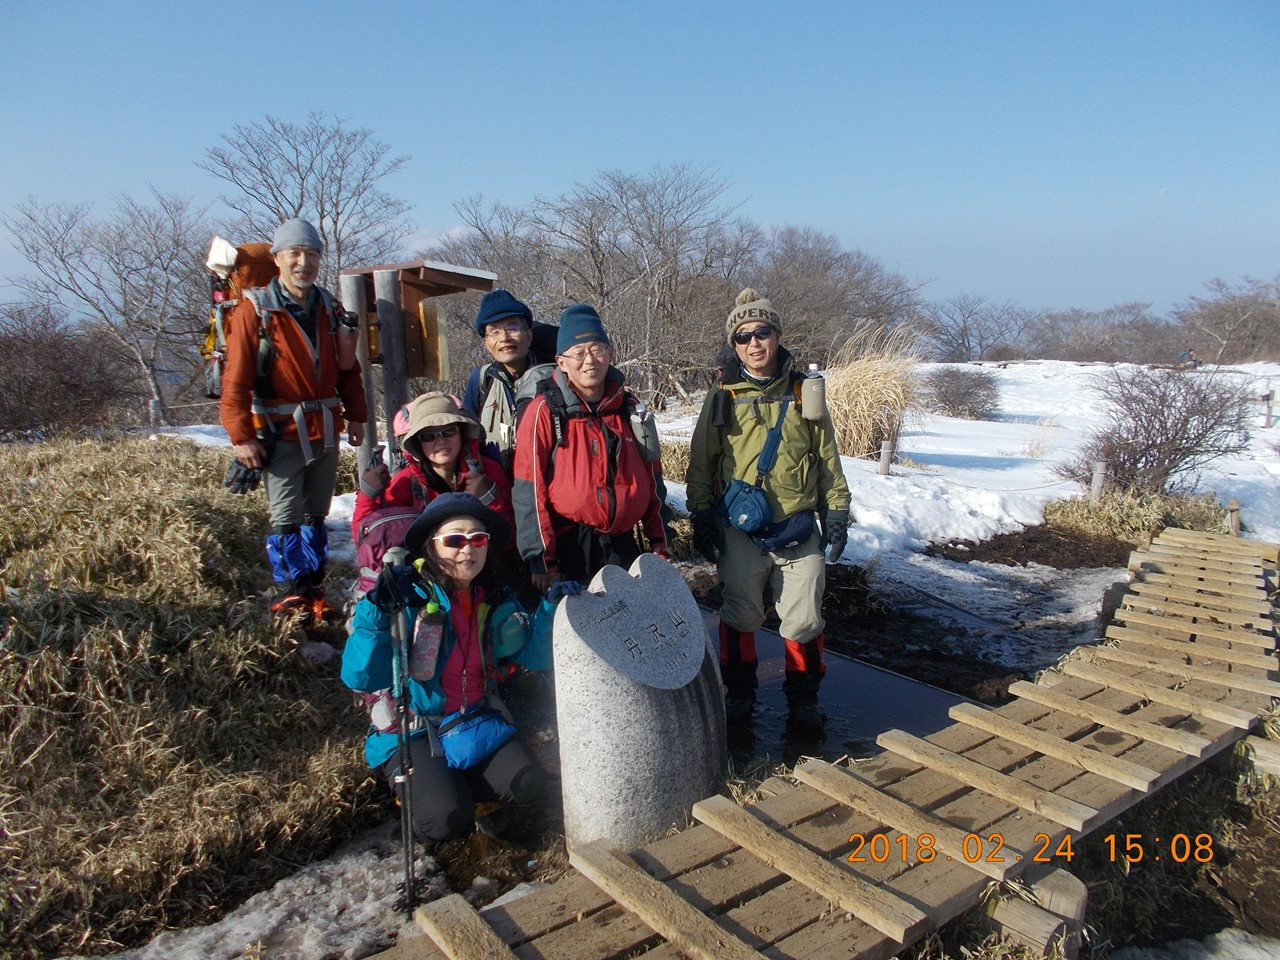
[284,401]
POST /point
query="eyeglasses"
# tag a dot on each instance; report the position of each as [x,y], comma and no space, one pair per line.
[746,336]
[513,329]
[444,433]
[456,541]
[597,351]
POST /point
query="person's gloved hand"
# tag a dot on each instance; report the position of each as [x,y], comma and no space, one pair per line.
[708,535]
[835,532]
[661,550]
[395,587]
[563,588]
[376,478]
[242,479]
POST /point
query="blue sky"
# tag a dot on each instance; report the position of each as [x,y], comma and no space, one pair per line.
[1054,154]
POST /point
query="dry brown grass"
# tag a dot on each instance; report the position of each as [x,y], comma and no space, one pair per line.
[870,389]
[675,459]
[164,749]
[1133,517]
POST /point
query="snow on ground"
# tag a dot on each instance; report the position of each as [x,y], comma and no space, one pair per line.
[960,480]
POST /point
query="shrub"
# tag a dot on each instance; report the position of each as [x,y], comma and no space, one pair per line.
[675,459]
[870,389]
[964,393]
[1132,517]
[165,749]
[1162,427]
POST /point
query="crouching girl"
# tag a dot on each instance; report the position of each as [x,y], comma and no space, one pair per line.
[466,627]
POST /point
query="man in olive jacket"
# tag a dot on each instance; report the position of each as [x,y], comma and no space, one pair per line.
[809,498]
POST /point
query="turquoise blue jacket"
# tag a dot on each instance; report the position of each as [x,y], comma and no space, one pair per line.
[506,631]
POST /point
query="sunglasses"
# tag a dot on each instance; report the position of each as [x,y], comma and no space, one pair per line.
[746,336]
[456,541]
[427,436]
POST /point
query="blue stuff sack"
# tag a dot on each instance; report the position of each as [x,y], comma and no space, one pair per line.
[469,736]
[791,532]
[745,507]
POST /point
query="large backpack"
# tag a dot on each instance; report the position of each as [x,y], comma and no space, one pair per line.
[538,380]
[379,532]
[251,265]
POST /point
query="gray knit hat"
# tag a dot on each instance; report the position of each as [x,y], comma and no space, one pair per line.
[748,308]
[296,233]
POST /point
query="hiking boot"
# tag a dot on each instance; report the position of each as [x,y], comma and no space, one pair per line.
[492,819]
[737,711]
[322,610]
[807,718]
[288,603]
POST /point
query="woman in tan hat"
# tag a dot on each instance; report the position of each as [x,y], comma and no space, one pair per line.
[443,454]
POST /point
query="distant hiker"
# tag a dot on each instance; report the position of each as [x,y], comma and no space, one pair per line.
[464,630]
[443,451]
[284,402]
[758,407]
[1187,360]
[515,343]
[582,481]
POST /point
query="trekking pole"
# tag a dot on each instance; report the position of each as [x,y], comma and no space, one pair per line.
[401,633]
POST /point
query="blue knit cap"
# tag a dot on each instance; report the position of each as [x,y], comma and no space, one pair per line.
[579,324]
[296,233]
[498,305]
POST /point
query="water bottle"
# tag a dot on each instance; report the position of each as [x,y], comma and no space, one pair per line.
[813,395]
[348,337]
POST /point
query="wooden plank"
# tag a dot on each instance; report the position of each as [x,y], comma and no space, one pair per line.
[459,931]
[1132,775]
[1025,795]
[1232,716]
[1140,562]
[1171,608]
[1184,563]
[852,791]
[1262,549]
[1252,590]
[889,914]
[1233,680]
[1185,647]
[1206,561]
[655,904]
[1258,607]
[1265,641]
[1180,740]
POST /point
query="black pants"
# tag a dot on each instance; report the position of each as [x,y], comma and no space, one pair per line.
[581,552]
[444,799]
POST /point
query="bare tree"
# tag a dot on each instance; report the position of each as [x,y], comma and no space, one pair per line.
[57,376]
[969,327]
[1124,333]
[1239,323]
[135,277]
[322,170]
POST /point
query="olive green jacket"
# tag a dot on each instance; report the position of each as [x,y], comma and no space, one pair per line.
[806,474]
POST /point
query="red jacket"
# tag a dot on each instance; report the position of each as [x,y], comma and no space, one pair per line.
[296,374]
[411,487]
[598,478]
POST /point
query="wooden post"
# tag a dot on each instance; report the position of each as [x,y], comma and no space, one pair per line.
[1099,480]
[395,376]
[1267,398]
[1233,517]
[353,299]
[886,456]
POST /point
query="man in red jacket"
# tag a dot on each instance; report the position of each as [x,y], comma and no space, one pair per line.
[284,400]
[582,483]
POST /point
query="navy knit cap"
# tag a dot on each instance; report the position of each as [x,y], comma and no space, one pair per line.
[449,506]
[498,305]
[579,324]
[296,233]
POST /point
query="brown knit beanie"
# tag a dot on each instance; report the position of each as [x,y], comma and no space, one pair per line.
[750,307]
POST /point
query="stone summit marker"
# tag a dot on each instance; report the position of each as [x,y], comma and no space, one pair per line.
[638,700]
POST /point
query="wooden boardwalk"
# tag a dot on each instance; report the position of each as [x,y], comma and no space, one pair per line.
[858,861]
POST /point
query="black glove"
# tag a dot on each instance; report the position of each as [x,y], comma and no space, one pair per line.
[835,532]
[395,587]
[708,535]
[242,479]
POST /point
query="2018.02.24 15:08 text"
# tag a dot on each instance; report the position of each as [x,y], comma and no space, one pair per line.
[924,848]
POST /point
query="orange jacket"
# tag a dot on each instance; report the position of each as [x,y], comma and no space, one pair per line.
[296,373]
